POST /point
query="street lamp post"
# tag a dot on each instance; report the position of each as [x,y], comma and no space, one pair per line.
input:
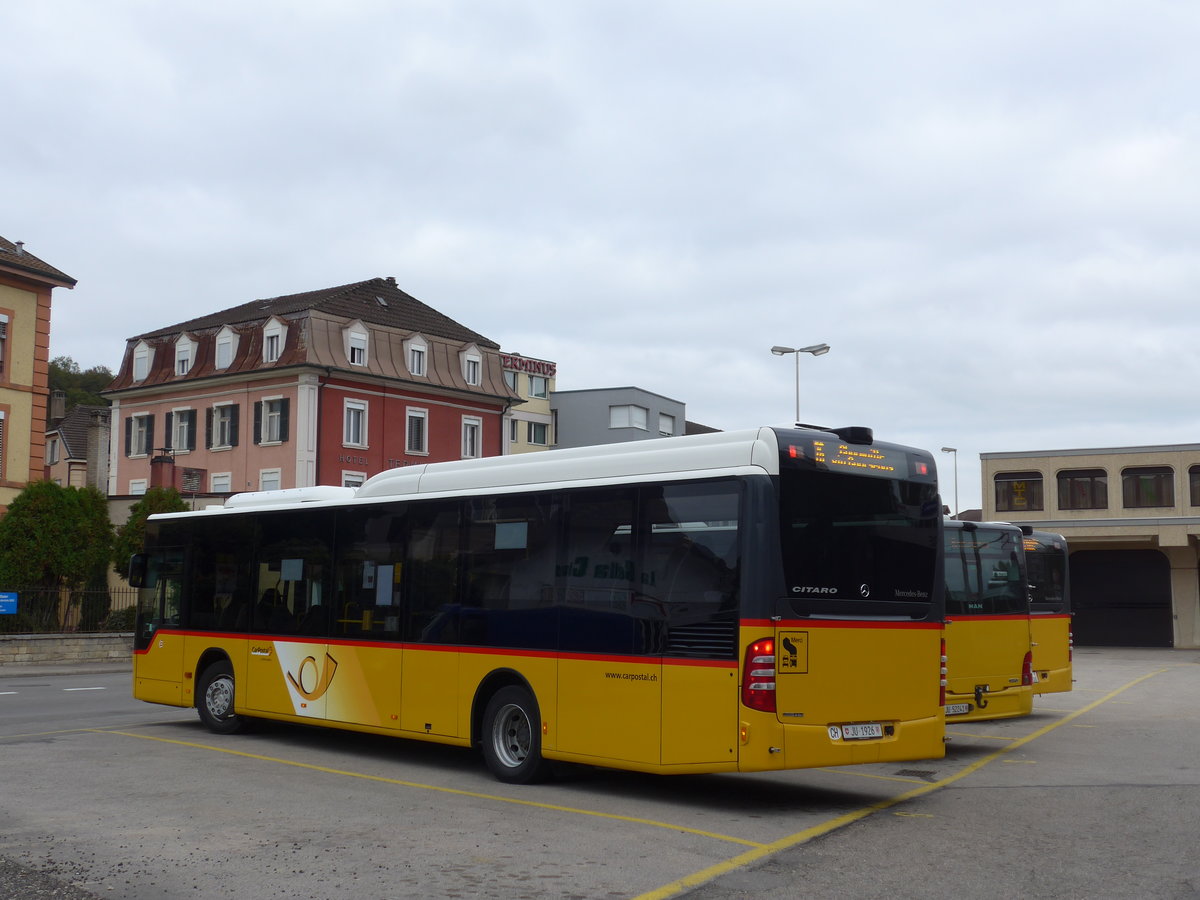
[815,350]
[954,450]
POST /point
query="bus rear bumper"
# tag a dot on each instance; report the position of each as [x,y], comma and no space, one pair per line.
[1007,704]
[809,746]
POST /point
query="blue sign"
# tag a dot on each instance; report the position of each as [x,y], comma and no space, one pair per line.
[8,603]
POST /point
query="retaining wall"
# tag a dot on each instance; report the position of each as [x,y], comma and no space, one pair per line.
[61,649]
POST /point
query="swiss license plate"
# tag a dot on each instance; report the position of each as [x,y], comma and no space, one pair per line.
[957,709]
[862,732]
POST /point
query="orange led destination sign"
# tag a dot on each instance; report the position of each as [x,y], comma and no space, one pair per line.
[869,458]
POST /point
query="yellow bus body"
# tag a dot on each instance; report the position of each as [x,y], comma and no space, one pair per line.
[984,661]
[1051,633]
[660,715]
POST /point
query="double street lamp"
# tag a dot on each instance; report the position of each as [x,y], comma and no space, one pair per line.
[815,350]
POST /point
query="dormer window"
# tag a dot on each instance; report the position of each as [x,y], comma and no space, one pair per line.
[226,347]
[273,337]
[142,357]
[472,365]
[415,354]
[356,344]
[185,355]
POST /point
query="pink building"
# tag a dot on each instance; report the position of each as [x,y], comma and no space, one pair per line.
[325,387]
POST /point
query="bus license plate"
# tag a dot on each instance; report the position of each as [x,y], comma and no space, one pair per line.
[957,709]
[862,732]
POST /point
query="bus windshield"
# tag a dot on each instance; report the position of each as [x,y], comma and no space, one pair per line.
[859,544]
[983,572]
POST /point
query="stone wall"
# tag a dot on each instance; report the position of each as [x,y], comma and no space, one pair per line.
[64,649]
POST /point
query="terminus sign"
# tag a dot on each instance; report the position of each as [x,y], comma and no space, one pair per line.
[532,366]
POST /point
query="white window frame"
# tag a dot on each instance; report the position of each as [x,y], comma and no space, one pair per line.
[222,415]
[416,356]
[185,355]
[472,366]
[268,477]
[226,348]
[138,486]
[353,479]
[666,425]
[472,437]
[217,479]
[140,436]
[356,345]
[52,446]
[514,431]
[534,382]
[267,417]
[353,410]
[628,415]
[533,427]
[143,357]
[274,336]
[182,426]
[411,413]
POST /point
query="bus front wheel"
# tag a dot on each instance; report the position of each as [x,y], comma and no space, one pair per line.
[214,701]
[512,737]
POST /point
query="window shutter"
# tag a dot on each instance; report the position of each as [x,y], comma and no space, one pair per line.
[208,428]
[233,426]
[284,409]
[258,414]
[150,435]
[191,429]
[169,438]
[129,436]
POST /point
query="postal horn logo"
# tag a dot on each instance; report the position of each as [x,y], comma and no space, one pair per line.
[311,680]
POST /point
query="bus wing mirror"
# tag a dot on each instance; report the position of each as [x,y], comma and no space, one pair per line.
[137,570]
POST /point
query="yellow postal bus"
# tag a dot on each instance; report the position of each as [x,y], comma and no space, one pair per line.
[760,600]
[988,645]
[1050,606]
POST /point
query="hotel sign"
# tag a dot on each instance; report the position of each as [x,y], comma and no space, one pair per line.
[532,366]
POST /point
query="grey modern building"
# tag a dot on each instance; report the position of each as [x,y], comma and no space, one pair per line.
[614,415]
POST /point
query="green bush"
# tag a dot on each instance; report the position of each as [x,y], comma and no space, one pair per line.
[119,620]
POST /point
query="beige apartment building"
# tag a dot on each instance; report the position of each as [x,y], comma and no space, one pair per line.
[1131,516]
[528,423]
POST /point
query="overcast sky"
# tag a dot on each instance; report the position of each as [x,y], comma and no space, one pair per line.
[991,212]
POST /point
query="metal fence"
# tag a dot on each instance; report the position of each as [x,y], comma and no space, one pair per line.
[42,610]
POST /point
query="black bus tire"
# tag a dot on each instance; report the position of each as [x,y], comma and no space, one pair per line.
[512,737]
[214,699]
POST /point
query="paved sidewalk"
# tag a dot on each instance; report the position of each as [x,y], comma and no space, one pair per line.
[9,670]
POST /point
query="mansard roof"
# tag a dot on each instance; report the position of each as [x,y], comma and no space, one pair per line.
[377,301]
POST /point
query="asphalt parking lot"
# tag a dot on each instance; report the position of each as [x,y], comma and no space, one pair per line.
[1094,795]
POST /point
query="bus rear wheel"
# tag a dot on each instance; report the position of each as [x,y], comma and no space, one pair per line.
[214,700]
[512,737]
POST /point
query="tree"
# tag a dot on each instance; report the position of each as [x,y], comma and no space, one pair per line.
[82,386]
[131,535]
[54,539]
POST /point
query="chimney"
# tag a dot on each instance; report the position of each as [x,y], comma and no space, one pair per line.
[58,406]
[20,245]
[162,471]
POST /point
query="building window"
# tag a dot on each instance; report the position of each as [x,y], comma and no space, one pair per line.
[52,451]
[141,361]
[273,336]
[539,433]
[627,417]
[353,479]
[514,431]
[225,348]
[1194,485]
[185,353]
[414,355]
[271,420]
[181,430]
[220,483]
[1019,491]
[354,423]
[138,486]
[222,426]
[1083,489]
[472,431]
[139,435]
[270,479]
[471,369]
[1148,486]
[539,387]
[416,440]
[3,345]
[356,348]
[510,379]
[666,425]
[3,467]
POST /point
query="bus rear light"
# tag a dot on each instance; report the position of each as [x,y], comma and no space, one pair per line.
[758,676]
[1070,646]
[942,682]
[1027,668]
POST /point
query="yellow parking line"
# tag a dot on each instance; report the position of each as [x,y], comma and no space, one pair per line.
[742,860]
[432,787]
[990,737]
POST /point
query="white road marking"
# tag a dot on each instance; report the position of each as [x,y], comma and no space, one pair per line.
[85,689]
